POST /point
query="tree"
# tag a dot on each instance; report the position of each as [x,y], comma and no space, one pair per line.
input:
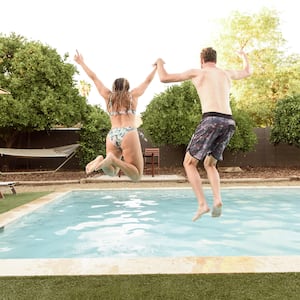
[43,92]
[84,88]
[286,127]
[93,134]
[172,116]
[244,137]
[275,72]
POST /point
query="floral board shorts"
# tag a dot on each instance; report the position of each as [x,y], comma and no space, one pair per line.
[211,136]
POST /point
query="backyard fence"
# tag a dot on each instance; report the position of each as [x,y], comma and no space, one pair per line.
[265,153]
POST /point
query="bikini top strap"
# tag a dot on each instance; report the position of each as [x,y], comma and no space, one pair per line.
[109,105]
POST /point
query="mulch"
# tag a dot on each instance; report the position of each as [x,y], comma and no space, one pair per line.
[245,172]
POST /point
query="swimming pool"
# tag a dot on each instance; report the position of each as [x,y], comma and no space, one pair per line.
[157,223]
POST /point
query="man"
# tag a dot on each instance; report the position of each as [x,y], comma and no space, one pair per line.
[217,126]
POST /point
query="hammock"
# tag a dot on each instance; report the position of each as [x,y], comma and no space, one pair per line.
[67,151]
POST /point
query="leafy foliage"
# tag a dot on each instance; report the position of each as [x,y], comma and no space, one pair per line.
[93,134]
[286,127]
[275,72]
[43,92]
[244,137]
[171,116]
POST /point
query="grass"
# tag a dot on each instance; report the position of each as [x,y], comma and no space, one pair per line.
[201,286]
[256,286]
[14,200]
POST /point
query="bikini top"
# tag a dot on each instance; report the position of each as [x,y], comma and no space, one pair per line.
[121,112]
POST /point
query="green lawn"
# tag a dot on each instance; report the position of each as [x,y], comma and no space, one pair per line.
[256,286]
[14,200]
[203,286]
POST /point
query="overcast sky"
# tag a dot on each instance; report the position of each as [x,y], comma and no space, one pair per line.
[123,38]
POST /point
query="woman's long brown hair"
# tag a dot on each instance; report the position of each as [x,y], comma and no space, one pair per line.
[120,97]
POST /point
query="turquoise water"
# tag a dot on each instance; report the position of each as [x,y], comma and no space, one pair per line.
[145,223]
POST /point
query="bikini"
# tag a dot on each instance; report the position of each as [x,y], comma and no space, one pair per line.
[117,134]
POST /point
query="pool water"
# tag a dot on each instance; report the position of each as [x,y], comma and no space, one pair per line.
[147,223]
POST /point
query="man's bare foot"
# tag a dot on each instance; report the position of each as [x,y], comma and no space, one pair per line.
[92,166]
[200,212]
[217,210]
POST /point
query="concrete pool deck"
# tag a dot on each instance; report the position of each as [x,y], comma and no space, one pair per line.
[151,265]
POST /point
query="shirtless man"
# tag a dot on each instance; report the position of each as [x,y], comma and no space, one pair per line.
[217,126]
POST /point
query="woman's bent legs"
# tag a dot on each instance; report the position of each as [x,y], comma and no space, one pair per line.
[132,164]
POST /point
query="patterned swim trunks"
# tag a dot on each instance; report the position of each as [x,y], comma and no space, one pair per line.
[211,136]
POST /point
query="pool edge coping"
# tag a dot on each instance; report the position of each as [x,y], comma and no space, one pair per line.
[150,265]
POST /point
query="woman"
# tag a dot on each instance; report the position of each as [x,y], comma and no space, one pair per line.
[122,139]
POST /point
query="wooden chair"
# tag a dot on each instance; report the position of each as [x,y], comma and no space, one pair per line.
[151,160]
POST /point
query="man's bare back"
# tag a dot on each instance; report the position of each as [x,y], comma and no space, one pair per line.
[213,87]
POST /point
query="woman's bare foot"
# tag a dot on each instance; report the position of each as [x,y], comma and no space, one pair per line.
[105,163]
[93,165]
[201,211]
